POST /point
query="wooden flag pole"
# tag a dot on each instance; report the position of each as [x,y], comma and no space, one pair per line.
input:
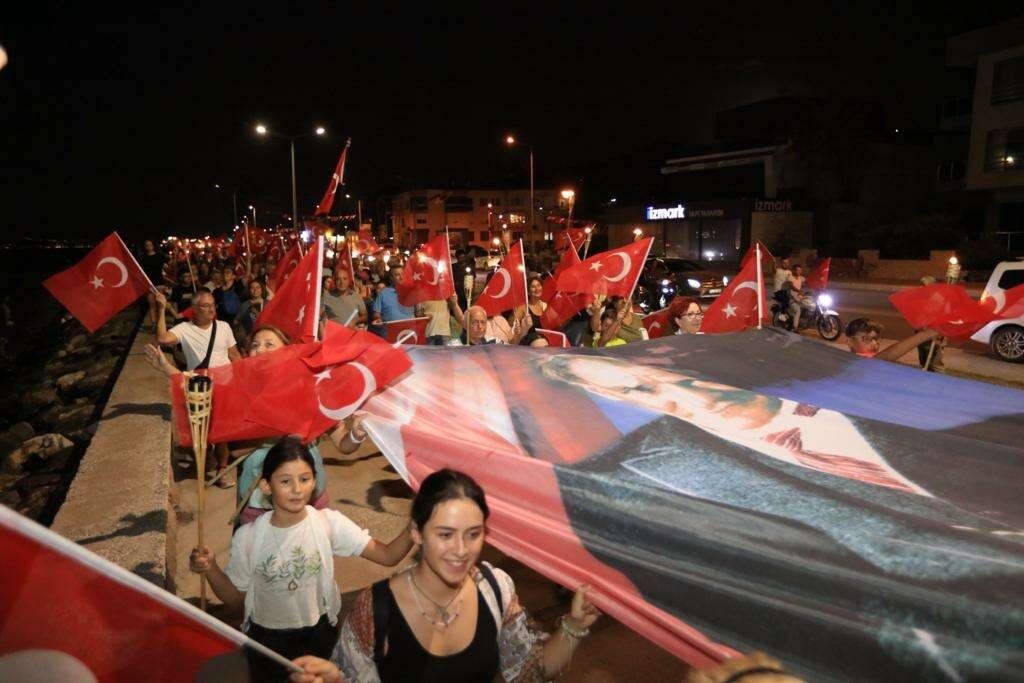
[198,399]
[928,361]
[760,285]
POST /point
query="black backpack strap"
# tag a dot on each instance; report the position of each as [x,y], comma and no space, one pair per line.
[495,587]
[209,349]
[381,617]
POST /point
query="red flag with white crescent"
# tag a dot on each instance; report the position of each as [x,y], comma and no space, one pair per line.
[100,285]
[736,307]
[657,323]
[285,267]
[570,237]
[428,274]
[407,331]
[295,308]
[337,178]
[612,272]
[365,244]
[947,309]
[506,289]
[818,279]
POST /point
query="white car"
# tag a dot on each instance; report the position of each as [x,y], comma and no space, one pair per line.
[1004,337]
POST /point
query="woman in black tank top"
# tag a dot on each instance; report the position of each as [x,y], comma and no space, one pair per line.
[448,618]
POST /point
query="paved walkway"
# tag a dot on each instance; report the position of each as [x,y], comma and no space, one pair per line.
[365,488]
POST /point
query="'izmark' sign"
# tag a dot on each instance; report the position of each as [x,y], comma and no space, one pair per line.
[677,212]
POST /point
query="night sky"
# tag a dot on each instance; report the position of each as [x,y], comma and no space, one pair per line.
[127,121]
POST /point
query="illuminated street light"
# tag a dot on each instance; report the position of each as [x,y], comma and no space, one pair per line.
[1010,160]
[510,139]
[320,130]
[264,131]
[261,129]
[637,233]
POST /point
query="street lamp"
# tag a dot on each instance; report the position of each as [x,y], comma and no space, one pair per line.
[234,200]
[263,131]
[637,233]
[253,209]
[511,141]
[570,198]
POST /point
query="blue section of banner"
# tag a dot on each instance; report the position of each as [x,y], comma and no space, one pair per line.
[624,416]
[902,395]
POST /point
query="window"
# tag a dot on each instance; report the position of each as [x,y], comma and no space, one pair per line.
[418,203]
[458,204]
[482,201]
[1011,216]
[421,221]
[950,170]
[1008,81]
[1004,150]
[1011,279]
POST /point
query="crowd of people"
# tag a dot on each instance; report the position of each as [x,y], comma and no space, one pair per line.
[448,616]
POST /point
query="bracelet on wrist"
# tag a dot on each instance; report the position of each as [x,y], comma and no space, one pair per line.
[575,635]
[352,436]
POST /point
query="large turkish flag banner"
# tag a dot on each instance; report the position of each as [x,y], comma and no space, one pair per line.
[104,282]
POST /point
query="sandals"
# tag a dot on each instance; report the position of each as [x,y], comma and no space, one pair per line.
[223,482]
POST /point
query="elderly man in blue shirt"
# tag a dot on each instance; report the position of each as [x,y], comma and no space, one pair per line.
[386,306]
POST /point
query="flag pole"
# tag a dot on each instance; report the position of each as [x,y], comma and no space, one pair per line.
[928,361]
[526,284]
[198,400]
[647,253]
[188,262]
[124,246]
[760,285]
[248,249]
[319,286]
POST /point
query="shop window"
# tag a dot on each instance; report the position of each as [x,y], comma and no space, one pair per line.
[1008,81]
[1004,150]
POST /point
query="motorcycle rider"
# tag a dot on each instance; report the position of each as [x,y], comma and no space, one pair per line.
[798,298]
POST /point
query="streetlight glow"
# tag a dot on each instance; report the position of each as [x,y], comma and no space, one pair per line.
[953,260]
[1010,160]
[320,130]
[496,241]
[637,231]
[261,129]
[510,139]
[568,194]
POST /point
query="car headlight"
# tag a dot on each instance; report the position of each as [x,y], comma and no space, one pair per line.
[693,283]
[725,280]
[825,301]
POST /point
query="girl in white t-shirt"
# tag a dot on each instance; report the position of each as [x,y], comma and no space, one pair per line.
[281,569]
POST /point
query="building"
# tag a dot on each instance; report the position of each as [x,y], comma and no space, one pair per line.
[472,217]
[992,59]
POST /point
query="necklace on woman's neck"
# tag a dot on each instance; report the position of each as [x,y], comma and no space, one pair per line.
[446,617]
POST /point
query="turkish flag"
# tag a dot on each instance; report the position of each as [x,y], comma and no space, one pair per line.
[553,337]
[612,272]
[507,287]
[295,308]
[309,394]
[658,322]
[562,307]
[68,614]
[285,267]
[343,260]
[104,282]
[569,259]
[570,237]
[947,309]
[337,178]
[1008,304]
[428,274]
[407,331]
[766,256]
[736,308]
[365,244]
[818,279]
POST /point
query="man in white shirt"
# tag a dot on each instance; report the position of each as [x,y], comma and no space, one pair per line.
[782,274]
[194,337]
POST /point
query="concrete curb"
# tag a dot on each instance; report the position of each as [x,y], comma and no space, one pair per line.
[887,287]
[119,504]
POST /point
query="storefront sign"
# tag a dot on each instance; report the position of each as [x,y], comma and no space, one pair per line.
[677,212]
[773,205]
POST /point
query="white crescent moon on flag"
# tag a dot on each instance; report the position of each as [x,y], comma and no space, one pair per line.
[627,263]
[507,284]
[433,265]
[999,298]
[751,285]
[407,334]
[120,266]
[363,246]
[369,386]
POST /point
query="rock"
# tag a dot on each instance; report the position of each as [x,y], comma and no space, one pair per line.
[66,382]
[10,498]
[26,485]
[19,433]
[38,399]
[77,341]
[62,354]
[75,418]
[43,448]
[33,504]
[92,384]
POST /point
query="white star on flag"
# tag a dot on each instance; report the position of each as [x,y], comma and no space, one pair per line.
[325,374]
[596,265]
[730,310]
[956,322]
[96,282]
[416,276]
[308,275]
[302,314]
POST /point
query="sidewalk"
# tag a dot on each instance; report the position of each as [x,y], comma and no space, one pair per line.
[974,288]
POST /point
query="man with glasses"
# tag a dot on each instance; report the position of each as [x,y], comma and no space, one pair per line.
[206,342]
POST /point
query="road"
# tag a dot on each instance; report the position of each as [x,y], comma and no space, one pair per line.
[852,303]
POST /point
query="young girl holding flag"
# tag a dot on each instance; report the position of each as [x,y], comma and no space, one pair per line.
[281,568]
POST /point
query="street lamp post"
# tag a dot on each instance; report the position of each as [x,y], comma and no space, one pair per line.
[319,131]
[234,200]
[510,140]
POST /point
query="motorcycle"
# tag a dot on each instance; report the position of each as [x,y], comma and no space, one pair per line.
[821,317]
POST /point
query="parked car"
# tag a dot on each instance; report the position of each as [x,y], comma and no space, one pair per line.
[665,277]
[1004,337]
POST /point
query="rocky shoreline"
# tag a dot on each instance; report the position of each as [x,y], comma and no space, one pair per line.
[52,397]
